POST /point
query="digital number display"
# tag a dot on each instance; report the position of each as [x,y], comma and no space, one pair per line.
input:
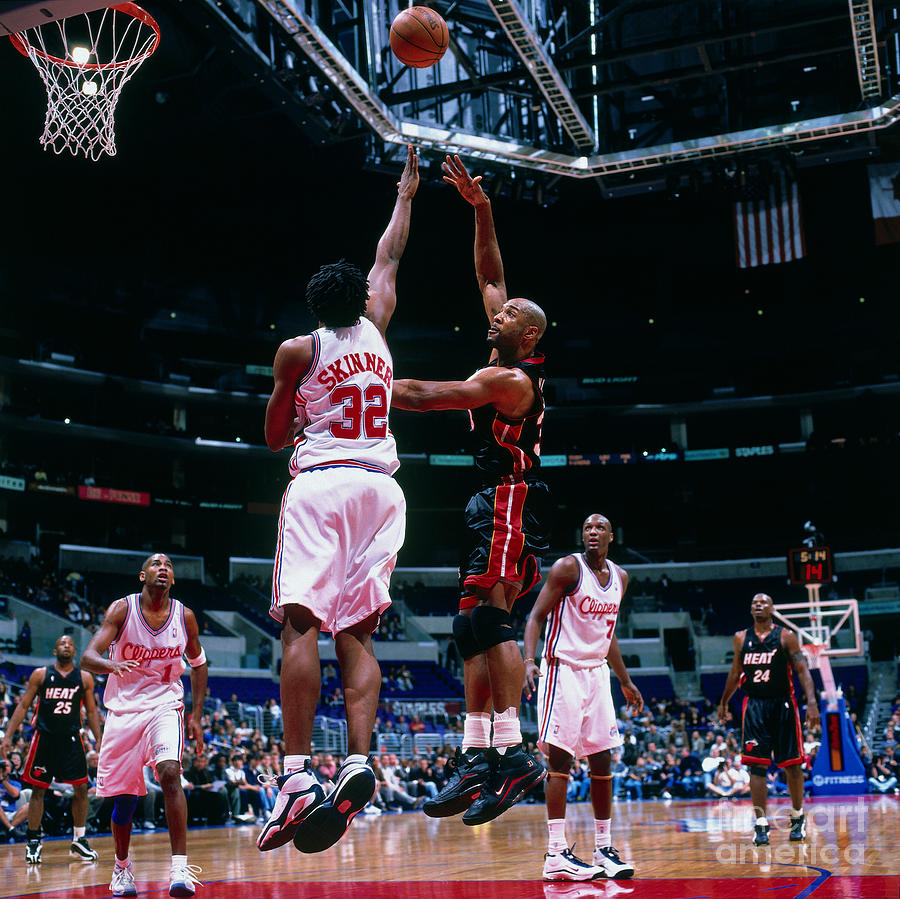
[810,565]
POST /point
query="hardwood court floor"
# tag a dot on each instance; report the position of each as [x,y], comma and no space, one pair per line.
[680,849]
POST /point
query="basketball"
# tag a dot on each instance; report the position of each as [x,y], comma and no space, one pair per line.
[419,37]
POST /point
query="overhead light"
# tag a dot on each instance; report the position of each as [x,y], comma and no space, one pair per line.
[647,97]
[809,68]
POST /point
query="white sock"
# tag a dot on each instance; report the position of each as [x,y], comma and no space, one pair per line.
[796,812]
[77,833]
[557,831]
[477,731]
[179,861]
[761,822]
[294,763]
[602,838]
[122,862]
[507,729]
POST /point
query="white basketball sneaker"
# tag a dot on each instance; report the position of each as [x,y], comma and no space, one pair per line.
[183,880]
[122,883]
[565,865]
[298,794]
[608,859]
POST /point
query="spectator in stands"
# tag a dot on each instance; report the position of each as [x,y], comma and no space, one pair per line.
[260,796]
[236,784]
[328,767]
[690,773]
[206,796]
[883,774]
[634,779]
[421,780]
[23,641]
[265,653]
[150,804]
[11,816]
[618,770]
[669,775]
[329,672]
[243,732]
[417,725]
[579,785]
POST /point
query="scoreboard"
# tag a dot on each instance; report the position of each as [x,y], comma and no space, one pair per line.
[810,565]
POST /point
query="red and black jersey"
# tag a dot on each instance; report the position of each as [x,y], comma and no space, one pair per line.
[509,449]
[767,667]
[59,702]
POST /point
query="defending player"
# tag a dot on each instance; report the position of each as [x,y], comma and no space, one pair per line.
[343,520]
[147,634]
[57,750]
[508,524]
[576,715]
[763,656]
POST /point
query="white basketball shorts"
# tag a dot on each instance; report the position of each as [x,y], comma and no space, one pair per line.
[575,709]
[132,740]
[338,536]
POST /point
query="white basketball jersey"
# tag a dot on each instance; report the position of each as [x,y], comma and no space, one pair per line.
[156,682]
[343,402]
[580,627]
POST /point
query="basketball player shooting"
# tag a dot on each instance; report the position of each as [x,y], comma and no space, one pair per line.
[508,524]
[147,634]
[57,751]
[576,714]
[342,522]
[763,657]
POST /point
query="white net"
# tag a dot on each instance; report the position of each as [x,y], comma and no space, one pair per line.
[84,62]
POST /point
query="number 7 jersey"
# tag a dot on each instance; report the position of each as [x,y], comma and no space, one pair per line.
[343,401]
[580,627]
[156,682]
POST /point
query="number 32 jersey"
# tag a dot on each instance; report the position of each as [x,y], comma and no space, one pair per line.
[343,402]
[156,682]
[580,626]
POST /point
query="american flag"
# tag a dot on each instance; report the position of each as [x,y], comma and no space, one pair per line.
[769,229]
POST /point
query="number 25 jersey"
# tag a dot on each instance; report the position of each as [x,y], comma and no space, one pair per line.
[343,402]
[59,702]
[156,682]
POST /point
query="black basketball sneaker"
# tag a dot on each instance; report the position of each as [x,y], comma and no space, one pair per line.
[470,771]
[514,773]
[761,835]
[798,829]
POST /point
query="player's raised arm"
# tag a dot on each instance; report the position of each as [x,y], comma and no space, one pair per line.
[488,262]
[562,578]
[92,658]
[734,677]
[383,275]
[21,709]
[790,642]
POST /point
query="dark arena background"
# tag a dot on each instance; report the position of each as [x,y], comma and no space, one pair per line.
[723,384]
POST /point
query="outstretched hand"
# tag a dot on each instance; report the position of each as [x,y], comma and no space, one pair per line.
[469,188]
[409,180]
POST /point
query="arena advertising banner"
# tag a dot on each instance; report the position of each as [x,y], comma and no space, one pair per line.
[113,495]
[838,769]
[8,483]
[426,709]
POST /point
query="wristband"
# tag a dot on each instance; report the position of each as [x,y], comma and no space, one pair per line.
[200,660]
[529,660]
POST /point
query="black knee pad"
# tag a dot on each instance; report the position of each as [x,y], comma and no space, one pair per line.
[491,626]
[759,770]
[463,636]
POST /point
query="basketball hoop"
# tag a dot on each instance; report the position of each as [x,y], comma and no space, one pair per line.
[84,62]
